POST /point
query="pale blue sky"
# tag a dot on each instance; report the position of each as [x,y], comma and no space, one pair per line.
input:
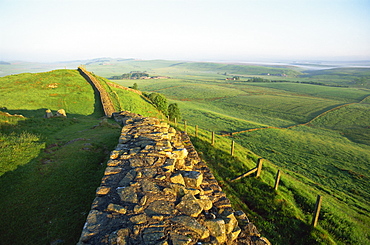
[243,30]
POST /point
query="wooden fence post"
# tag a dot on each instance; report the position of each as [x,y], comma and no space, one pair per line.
[317,211]
[232,148]
[185,126]
[175,121]
[259,167]
[196,130]
[277,180]
[213,138]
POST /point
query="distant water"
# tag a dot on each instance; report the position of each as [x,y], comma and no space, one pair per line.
[310,66]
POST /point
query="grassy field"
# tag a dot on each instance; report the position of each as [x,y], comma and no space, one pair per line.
[50,168]
[59,159]
[284,215]
[329,156]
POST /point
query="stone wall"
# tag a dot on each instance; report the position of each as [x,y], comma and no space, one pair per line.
[106,102]
[156,190]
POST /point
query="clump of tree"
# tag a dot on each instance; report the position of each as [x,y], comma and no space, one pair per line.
[131,75]
[258,80]
[174,112]
[135,86]
[160,102]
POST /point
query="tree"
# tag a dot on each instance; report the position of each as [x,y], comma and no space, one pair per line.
[174,112]
[159,101]
[135,86]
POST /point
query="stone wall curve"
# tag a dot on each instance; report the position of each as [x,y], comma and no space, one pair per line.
[156,190]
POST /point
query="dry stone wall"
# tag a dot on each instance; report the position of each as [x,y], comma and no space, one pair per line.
[104,96]
[156,190]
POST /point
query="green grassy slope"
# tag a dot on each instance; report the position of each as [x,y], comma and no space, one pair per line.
[50,168]
[284,216]
[329,156]
[52,90]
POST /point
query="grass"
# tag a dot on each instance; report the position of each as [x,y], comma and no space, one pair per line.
[50,168]
[136,103]
[315,159]
[351,121]
[284,216]
[51,90]
[331,93]
[51,186]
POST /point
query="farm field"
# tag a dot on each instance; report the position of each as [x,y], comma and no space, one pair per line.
[330,154]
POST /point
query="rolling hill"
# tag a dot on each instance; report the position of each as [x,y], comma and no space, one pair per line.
[329,156]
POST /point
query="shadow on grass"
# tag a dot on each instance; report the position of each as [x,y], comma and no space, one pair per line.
[48,194]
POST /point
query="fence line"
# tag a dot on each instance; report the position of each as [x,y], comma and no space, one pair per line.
[258,170]
[317,211]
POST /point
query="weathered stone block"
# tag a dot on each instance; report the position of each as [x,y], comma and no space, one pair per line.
[130,176]
[178,239]
[134,151]
[152,235]
[93,224]
[205,202]
[119,237]
[177,178]
[116,208]
[234,234]
[124,139]
[127,194]
[251,230]
[61,113]
[115,154]
[180,164]
[189,205]
[180,153]
[102,190]
[136,162]
[48,114]
[139,219]
[148,186]
[192,178]
[217,229]
[169,164]
[160,207]
[112,170]
[192,224]
[113,163]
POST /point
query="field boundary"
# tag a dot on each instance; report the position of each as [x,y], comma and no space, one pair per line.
[104,96]
[301,124]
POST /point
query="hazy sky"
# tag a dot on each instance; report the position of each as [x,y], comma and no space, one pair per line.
[249,30]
